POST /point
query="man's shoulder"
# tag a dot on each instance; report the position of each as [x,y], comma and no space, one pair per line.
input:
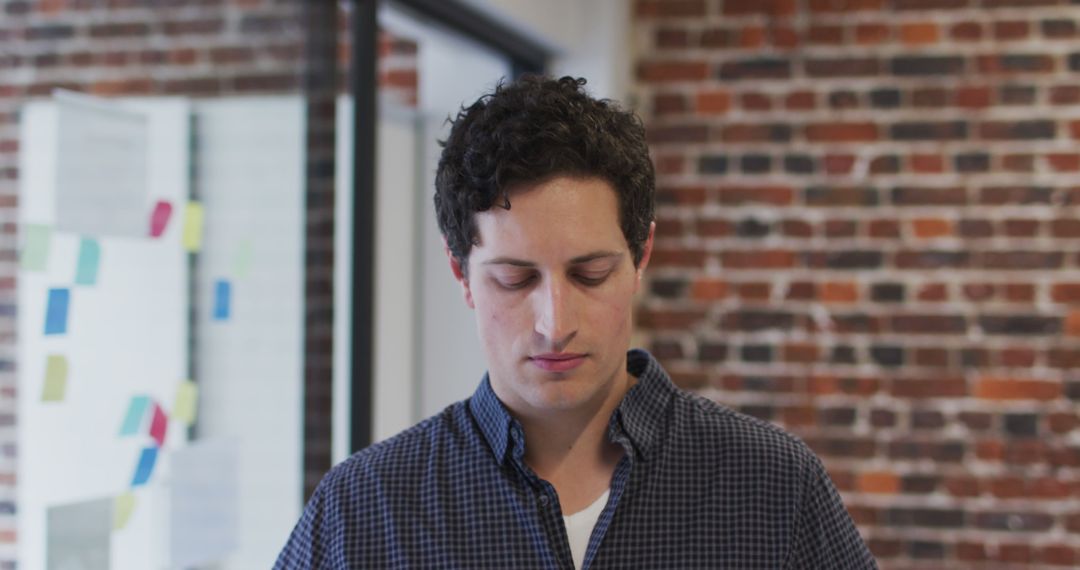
[719,431]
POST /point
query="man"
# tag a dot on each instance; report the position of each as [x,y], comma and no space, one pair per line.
[573,452]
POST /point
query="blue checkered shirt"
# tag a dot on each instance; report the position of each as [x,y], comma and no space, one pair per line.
[700,486]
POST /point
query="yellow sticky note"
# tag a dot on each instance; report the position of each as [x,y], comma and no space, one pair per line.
[193,226]
[56,373]
[122,508]
[184,406]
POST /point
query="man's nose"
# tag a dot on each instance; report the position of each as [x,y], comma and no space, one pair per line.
[556,314]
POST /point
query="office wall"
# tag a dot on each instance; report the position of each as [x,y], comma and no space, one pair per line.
[868,230]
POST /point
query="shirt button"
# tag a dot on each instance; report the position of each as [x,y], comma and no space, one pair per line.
[544,500]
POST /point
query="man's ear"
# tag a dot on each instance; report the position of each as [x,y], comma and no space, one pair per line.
[459,275]
[646,253]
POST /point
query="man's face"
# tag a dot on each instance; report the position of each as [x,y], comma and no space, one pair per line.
[552,282]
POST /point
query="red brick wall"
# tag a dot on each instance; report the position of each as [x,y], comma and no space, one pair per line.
[869,233]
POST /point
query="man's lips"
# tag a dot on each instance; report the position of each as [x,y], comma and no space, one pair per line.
[558,362]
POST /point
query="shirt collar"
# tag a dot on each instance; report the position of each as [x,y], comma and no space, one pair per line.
[640,415]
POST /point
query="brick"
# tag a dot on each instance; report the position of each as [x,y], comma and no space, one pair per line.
[995,388]
[1058,28]
[759,68]
[842,67]
[664,9]
[885,98]
[929,130]
[1065,228]
[1020,260]
[681,257]
[1064,161]
[1013,521]
[1015,63]
[765,7]
[925,517]
[930,97]
[806,101]
[752,37]
[1007,30]
[668,288]
[667,38]
[799,164]
[713,102]
[928,324]
[844,259]
[784,37]
[938,357]
[926,550]
[768,195]
[1014,227]
[709,289]
[840,196]
[839,292]
[754,291]
[842,132]
[1065,94]
[755,102]
[711,227]
[758,259]
[750,132]
[918,34]
[844,6]
[841,228]
[869,34]
[839,163]
[843,99]
[929,228]
[202,26]
[752,228]
[929,196]
[803,353]
[684,195]
[886,164]
[670,319]
[1015,195]
[825,35]
[973,97]
[1021,95]
[922,5]
[972,162]
[717,38]
[878,482]
[966,31]
[672,71]
[926,65]
[927,163]
[1018,163]
[712,164]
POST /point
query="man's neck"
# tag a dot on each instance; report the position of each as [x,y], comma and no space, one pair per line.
[570,449]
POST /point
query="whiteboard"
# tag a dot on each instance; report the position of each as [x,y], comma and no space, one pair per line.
[126,335]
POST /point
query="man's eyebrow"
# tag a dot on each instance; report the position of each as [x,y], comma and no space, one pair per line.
[575,261]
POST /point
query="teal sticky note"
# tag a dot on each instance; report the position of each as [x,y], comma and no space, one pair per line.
[89,260]
[135,413]
[56,311]
[37,240]
[145,467]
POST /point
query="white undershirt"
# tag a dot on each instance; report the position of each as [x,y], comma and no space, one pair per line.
[579,527]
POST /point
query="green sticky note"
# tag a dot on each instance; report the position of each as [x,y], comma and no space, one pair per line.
[193,226]
[242,261]
[122,509]
[37,240]
[56,373]
[89,260]
[184,406]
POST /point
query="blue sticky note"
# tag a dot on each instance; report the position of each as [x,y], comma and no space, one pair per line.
[145,467]
[56,312]
[222,294]
[89,259]
[135,414]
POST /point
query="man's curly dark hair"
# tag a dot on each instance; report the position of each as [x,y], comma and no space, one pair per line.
[531,130]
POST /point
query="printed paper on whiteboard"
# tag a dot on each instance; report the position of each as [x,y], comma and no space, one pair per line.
[101,168]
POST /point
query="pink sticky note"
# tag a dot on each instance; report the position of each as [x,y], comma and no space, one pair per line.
[160,218]
[158,425]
